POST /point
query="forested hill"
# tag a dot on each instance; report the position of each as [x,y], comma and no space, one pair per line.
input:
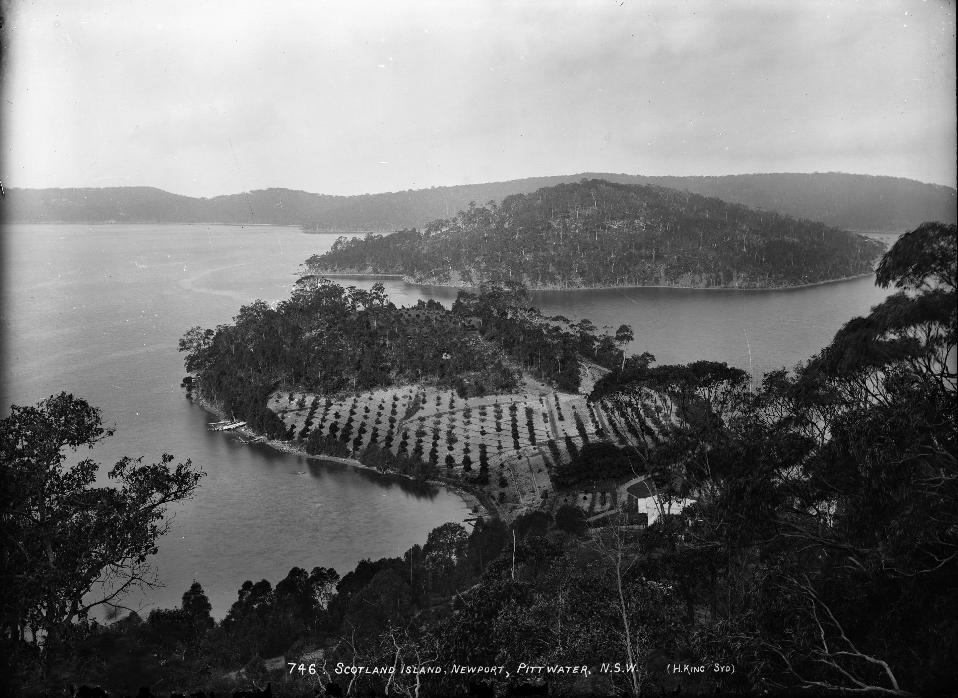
[857,202]
[851,202]
[151,205]
[596,233]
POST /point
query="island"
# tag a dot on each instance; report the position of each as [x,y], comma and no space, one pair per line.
[599,234]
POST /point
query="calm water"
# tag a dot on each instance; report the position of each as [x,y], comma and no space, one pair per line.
[97,311]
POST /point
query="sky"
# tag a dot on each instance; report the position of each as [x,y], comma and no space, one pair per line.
[207,98]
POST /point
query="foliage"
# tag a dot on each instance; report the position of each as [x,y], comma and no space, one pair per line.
[832,493]
[598,462]
[71,546]
[571,519]
[549,348]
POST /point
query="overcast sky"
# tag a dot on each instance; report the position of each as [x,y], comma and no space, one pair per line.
[351,97]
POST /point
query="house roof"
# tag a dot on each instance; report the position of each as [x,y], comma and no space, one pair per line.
[639,490]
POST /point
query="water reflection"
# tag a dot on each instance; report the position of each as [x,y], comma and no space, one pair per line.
[319,469]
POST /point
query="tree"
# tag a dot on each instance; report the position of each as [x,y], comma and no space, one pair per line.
[571,519]
[833,496]
[198,608]
[886,473]
[387,598]
[586,334]
[196,342]
[248,624]
[623,336]
[923,258]
[70,546]
[169,628]
[301,597]
[444,547]
[533,524]
[614,549]
[598,462]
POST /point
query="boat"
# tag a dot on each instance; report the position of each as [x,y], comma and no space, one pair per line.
[227,426]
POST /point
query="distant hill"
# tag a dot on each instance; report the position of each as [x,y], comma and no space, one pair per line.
[856,202]
[851,202]
[597,233]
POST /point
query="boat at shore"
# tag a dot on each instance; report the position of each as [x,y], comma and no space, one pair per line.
[226,426]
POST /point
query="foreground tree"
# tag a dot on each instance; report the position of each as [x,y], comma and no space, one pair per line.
[70,545]
[885,486]
[623,336]
[822,548]
[846,523]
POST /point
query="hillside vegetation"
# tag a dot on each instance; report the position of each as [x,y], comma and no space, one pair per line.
[597,233]
[857,202]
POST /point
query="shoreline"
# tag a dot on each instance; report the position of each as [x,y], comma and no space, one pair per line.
[471,499]
[613,287]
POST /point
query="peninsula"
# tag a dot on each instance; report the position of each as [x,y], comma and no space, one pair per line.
[488,396]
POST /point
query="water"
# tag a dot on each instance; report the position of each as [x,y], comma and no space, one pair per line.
[757,330]
[98,310]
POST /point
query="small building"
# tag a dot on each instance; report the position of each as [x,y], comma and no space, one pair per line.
[638,490]
[644,502]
